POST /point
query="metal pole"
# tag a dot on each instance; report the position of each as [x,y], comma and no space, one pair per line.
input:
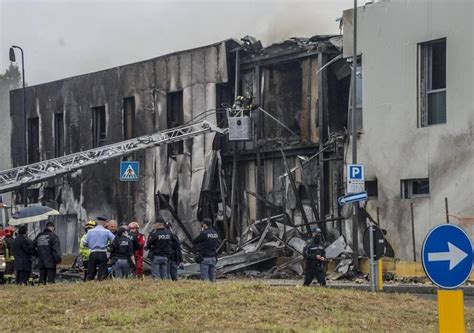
[372,264]
[447,210]
[356,216]
[128,203]
[25,147]
[413,231]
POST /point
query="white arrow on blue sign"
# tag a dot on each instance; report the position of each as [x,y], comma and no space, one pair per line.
[353,197]
[447,256]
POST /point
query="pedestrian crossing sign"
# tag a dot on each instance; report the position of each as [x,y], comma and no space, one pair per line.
[129,171]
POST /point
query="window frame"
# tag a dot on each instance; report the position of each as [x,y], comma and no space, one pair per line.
[425,80]
[406,189]
[97,140]
[57,152]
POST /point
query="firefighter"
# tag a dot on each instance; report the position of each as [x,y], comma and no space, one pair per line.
[314,255]
[121,254]
[48,248]
[176,257]
[9,258]
[139,245]
[208,243]
[23,250]
[83,249]
[159,245]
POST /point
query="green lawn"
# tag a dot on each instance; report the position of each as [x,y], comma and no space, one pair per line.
[228,306]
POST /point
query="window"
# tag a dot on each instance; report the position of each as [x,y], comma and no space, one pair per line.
[58,134]
[99,128]
[415,188]
[33,140]
[128,118]
[371,186]
[432,82]
[175,118]
[358,98]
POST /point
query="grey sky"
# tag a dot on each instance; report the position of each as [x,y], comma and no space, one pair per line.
[62,38]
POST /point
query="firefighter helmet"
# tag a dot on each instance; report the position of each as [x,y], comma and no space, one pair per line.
[90,224]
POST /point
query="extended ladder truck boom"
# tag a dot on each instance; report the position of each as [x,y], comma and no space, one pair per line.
[18,177]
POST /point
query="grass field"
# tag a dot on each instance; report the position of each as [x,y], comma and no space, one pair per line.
[228,306]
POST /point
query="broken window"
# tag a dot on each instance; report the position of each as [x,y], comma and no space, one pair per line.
[415,188]
[371,186]
[99,128]
[175,118]
[33,140]
[358,97]
[128,118]
[58,134]
[432,82]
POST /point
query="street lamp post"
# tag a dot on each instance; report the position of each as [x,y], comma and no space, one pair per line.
[25,148]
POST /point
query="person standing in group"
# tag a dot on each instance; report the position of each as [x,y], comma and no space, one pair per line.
[314,255]
[83,249]
[23,250]
[176,257]
[159,245]
[48,248]
[139,245]
[9,258]
[97,240]
[208,243]
[121,254]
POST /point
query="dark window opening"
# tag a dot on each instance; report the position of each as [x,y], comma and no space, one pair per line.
[58,134]
[129,118]
[99,126]
[432,82]
[175,118]
[282,98]
[415,188]
[371,186]
[33,140]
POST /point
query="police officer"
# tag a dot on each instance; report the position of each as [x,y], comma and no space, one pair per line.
[49,253]
[314,254]
[121,254]
[159,245]
[97,240]
[23,250]
[208,243]
[176,257]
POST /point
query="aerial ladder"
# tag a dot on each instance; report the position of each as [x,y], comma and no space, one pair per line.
[30,174]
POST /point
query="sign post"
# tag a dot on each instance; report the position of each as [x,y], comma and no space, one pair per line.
[447,260]
[129,172]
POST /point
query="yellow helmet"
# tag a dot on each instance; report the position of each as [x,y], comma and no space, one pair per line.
[90,224]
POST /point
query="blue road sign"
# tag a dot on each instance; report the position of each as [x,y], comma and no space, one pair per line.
[447,256]
[129,171]
[353,197]
[356,171]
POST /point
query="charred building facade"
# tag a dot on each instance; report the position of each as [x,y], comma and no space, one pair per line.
[290,165]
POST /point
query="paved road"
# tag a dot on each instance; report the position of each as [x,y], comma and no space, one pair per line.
[468,300]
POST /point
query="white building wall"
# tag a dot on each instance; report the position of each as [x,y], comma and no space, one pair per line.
[391,146]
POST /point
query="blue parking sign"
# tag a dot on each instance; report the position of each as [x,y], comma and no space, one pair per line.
[129,171]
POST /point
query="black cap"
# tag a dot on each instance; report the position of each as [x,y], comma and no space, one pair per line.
[50,224]
[22,230]
[102,218]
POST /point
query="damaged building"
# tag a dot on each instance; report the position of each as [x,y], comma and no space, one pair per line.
[286,168]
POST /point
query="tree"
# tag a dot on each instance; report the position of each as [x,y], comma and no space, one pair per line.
[11,79]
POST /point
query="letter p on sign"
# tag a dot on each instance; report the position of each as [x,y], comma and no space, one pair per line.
[356,172]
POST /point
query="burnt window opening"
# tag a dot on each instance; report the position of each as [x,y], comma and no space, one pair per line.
[175,118]
[33,140]
[359,102]
[371,186]
[129,118]
[415,188]
[304,195]
[282,98]
[432,83]
[99,126]
[58,134]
